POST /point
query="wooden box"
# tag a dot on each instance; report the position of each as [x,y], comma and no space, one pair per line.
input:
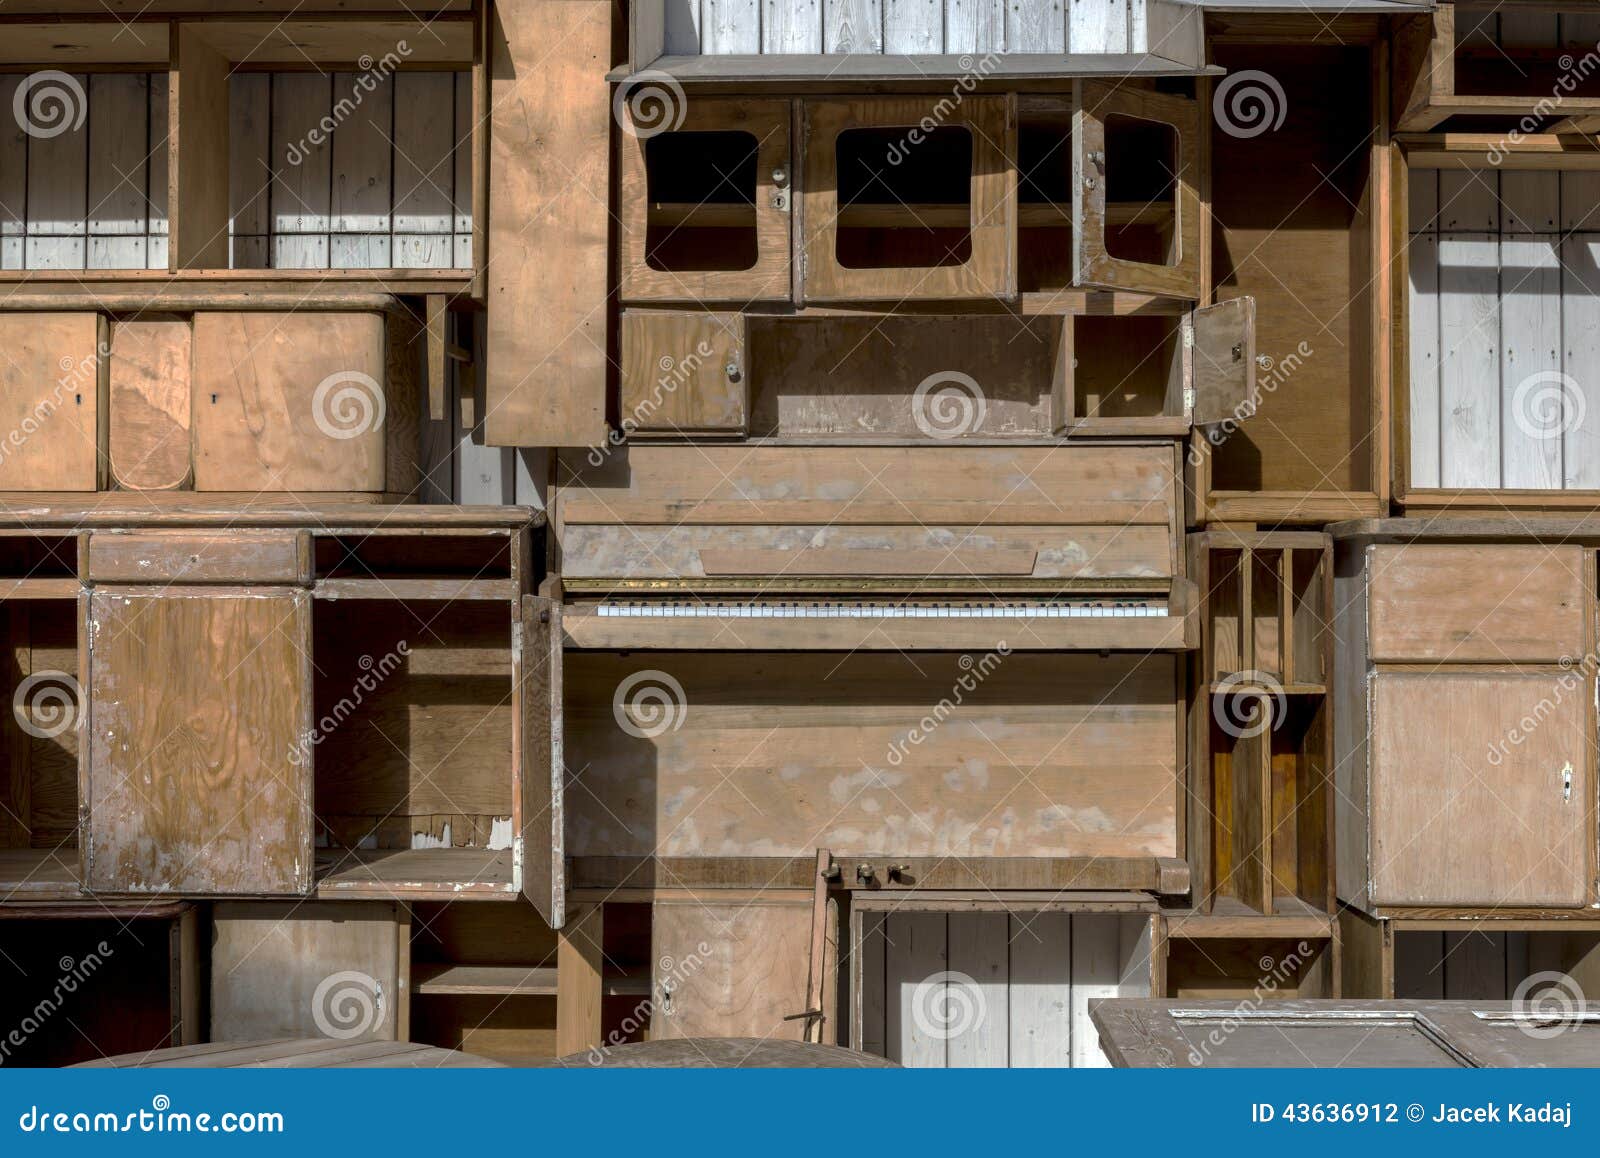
[1313,247]
[1462,700]
[1479,59]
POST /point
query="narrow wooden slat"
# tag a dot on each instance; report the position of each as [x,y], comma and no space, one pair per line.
[1036,26]
[249,167]
[1422,349]
[361,165]
[870,956]
[1475,966]
[1469,359]
[1096,973]
[974,26]
[1097,26]
[1039,1002]
[1580,338]
[119,124]
[1419,966]
[913,26]
[916,955]
[976,1016]
[730,26]
[13,167]
[791,26]
[301,159]
[1534,400]
[852,26]
[156,178]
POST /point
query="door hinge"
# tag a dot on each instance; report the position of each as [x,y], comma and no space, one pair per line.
[1566,782]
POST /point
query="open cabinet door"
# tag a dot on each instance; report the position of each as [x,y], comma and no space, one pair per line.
[1222,362]
[1135,204]
[540,851]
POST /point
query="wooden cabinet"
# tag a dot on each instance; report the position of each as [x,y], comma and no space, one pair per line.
[1465,719]
[198,701]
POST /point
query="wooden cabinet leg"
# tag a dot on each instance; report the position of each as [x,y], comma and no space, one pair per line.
[578,975]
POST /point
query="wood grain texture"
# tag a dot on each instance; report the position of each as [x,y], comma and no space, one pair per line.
[197,702]
[675,376]
[150,404]
[1049,755]
[197,152]
[541,755]
[729,970]
[1444,798]
[259,423]
[1520,603]
[307,969]
[546,292]
[988,270]
[51,404]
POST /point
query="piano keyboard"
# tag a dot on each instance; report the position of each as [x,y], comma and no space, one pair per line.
[921,609]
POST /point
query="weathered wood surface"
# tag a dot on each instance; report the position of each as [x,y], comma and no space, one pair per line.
[51,404]
[736,970]
[306,1053]
[150,404]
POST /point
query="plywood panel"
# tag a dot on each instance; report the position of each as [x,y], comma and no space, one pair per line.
[51,406]
[198,700]
[546,384]
[1523,603]
[150,404]
[1442,796]
[307,969]
[775,755]
[729,970]
[289,401]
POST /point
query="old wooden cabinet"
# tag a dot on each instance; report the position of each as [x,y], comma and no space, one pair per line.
[354,701]
[1464,725]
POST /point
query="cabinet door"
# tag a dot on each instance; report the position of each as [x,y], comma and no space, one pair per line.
[1481,788]
[541,851]
[197,779]
[1135,205]
[52,385]
[706,202]
[1222,362]
[684,373]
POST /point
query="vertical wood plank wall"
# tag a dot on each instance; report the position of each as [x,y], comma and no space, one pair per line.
[1505,329]
[903,26]
[389,187]
[93,196]
[985,990]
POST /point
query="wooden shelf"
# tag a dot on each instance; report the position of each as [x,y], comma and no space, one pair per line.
[483,980]
[1270,689]
[444,874]
[455,590]
[39,874]
[706,215]
[1231,917]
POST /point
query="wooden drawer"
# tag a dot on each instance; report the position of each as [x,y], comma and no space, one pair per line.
[983,513]
[1471,603]
[198,557]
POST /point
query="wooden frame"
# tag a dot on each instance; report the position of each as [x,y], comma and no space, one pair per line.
[1092,164]
[990,269]
[767,279]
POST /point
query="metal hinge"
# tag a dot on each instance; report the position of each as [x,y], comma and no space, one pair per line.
[1566,782]
[1188,398]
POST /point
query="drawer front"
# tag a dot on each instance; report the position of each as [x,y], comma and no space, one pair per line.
[198,557]
[1468,603]
[953,512]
